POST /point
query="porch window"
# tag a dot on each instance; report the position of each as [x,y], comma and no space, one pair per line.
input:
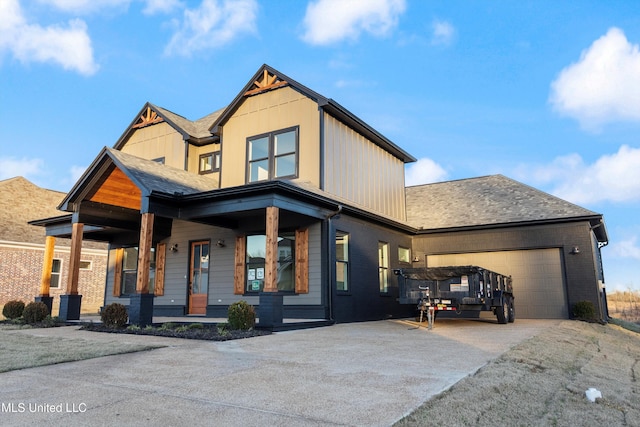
[130,271]
[255,262]
[342,261]
[383,267]
[56,270]
[273,155]
[209,163]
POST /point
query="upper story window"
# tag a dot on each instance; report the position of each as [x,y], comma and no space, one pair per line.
[209,163]
[273,155]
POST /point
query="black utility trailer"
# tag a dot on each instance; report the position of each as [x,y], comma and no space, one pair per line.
[458,288]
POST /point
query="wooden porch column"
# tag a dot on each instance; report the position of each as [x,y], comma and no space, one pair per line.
[271,257]
[45,280]
[74,259]
[144,253]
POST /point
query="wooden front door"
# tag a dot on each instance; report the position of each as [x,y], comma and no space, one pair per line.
[198,277]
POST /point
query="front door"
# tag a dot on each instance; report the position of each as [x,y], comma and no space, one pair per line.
[198,277]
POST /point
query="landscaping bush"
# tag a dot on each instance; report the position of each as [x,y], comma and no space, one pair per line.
[114,315]
[584,310]
[242,316]
[13,309]
[35,312]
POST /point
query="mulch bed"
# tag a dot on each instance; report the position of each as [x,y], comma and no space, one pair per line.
[206,332]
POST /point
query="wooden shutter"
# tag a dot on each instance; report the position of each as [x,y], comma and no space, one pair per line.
[158,287]
[239,274]
[117,272]
[302,261]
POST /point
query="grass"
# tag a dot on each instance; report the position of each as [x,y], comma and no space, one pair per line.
[20,350]
[542,382]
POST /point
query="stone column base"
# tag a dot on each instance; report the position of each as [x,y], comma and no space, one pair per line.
[141,309]
[70,307]
[270,311]
[48,301]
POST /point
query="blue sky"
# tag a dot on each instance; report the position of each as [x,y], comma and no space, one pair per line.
[545,92]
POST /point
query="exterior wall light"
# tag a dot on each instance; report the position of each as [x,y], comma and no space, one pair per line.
[575,250]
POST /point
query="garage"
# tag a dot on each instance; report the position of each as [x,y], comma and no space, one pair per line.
[537,275]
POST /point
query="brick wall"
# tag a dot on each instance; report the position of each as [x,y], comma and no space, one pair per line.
[21,269]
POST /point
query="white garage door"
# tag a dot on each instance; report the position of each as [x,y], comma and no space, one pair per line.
[538,284]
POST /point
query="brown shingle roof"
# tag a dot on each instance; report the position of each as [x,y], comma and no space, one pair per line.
[20,202]
[487,200]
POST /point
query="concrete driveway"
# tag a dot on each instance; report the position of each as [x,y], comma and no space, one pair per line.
[359,374]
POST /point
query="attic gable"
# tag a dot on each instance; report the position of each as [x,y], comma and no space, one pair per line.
[147,118]
[267,81]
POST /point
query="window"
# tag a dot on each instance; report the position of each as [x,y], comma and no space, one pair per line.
[130,273]
[383,267]
[85,265]
[273,155]
[255,262]
[209,163]
[404,254]
[342,261]
[56,270]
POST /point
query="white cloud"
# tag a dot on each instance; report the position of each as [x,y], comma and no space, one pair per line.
[85,6]
[443,33]
[213,24]
[161,6]
[330,21]
[614,177]
[626,249]
[11,167]
[424,171]
[69,47]
[603,86]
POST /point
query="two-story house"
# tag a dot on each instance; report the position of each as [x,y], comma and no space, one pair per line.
[283,198]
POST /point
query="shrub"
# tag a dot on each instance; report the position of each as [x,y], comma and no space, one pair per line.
[35,312]
[584,310]
[195,326]
[242,316]
[114,315]
[13,309]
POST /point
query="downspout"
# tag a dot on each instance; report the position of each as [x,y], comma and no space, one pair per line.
[186,154]
[330,266]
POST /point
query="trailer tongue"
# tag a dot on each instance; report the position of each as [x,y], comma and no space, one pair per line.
[458,288]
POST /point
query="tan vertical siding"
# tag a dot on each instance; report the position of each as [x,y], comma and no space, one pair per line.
[360,171]
[267,112]
[155,141]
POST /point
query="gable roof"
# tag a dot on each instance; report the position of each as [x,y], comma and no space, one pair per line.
[488,201]
[196,131]
[147,175]
[268,78]
[20,202]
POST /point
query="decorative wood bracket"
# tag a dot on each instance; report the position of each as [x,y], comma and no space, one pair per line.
[266,82]
[147,118]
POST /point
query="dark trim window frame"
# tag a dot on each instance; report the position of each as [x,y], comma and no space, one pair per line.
[273,155]
[255,268]
[342,263]
[130,271]
[383,267]
[209,163]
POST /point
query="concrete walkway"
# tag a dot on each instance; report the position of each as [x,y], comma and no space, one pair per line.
[361,374]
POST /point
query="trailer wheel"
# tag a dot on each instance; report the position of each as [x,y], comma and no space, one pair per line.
[512,311]
[502,312]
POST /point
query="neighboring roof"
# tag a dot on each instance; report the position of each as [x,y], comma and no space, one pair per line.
[486,201]
[149,176]
[22,201]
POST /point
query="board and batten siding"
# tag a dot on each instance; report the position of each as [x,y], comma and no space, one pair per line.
[221,268]
[268,112]
[156,141]
[360,171]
